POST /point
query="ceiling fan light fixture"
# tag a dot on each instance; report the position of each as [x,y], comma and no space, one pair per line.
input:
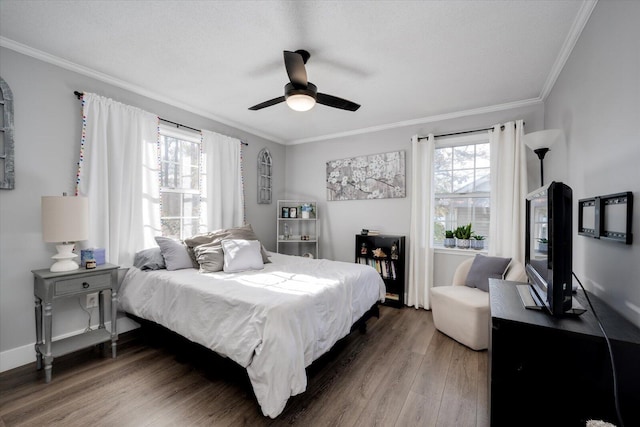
[301,102]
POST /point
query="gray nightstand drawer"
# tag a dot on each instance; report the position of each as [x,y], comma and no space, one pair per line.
[83,284]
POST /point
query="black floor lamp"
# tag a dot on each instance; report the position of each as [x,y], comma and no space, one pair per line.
[540,142]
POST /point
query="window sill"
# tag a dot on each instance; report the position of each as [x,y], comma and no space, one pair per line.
[456,251]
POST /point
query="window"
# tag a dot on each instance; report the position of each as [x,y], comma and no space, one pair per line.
[180,183]
[462,185]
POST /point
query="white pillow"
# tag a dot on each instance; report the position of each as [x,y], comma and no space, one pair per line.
[242,255]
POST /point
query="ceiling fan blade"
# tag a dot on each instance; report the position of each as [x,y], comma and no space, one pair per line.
[294,63]
[268,103]
[335,102]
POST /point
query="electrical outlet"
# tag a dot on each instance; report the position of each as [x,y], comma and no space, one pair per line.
[92,300]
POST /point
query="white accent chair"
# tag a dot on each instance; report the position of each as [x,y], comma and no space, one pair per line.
[462,312]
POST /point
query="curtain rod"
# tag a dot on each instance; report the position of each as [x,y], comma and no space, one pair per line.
[179,125]
[420,138]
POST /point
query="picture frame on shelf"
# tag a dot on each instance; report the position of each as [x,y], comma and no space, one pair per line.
[285,212]
[293,212]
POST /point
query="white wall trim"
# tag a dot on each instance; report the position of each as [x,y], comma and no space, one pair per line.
[72,66]
[569,43]
[429,119]
[26,354]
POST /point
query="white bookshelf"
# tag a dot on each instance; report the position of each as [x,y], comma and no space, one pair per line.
[297,231]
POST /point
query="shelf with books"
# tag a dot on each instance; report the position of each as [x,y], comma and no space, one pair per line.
[385,253]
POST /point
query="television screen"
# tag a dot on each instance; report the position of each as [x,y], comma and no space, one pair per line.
[548,250]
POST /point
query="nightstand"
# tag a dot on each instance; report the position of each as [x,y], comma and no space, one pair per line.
[48,287]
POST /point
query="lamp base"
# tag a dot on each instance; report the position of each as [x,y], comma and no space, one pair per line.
[64,259]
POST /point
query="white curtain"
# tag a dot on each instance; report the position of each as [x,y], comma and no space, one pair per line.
[223,191]
[508,190]
[118,173]
[421,252]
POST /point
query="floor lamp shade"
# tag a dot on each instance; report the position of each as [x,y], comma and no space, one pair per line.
[65,220]
[540,142]
[543,138]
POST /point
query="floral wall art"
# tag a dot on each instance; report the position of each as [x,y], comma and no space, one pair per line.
[377,176]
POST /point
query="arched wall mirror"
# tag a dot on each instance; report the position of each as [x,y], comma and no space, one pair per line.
[7,171]
[265,170]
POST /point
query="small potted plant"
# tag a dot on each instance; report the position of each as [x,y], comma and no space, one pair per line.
[543,245]
[306,209]
[463,236]
[478,242]
[449,239]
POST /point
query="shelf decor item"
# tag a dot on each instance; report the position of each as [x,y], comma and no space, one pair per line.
[306,210]
[65,220]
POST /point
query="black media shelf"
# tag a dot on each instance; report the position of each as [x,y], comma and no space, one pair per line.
[385,253]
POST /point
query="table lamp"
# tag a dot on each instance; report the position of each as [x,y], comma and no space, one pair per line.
[540,142]
[65,220]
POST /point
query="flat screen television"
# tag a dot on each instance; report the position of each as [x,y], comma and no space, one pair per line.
[548,247]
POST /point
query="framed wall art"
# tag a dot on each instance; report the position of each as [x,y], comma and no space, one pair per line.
[376,176]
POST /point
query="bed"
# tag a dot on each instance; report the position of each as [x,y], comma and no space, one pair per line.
[274,322]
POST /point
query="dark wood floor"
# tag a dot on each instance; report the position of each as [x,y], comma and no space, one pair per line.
[402,372]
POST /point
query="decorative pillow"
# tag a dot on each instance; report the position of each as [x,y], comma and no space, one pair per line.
[213,239]
[241,255]
[485,267]
[210,257]
[197,240]
[246,233]
[174,253]
[149,259]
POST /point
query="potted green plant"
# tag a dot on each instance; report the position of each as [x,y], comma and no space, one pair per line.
[449,239]
[463,236]
[478,242]
[543,245]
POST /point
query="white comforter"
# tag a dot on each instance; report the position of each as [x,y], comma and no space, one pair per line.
[274,322]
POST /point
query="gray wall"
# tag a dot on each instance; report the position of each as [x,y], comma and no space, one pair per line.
[596,100]
[341,220]
[47,135]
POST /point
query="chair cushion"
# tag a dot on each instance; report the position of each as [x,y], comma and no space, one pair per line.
[484,268]
[462,313]
[456,297]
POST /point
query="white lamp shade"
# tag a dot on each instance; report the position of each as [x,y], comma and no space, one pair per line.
[65,218]
[300,102]
[544,138]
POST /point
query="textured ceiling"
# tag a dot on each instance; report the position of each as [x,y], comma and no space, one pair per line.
[401,60]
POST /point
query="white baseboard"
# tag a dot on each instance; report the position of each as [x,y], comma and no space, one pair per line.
[26,354]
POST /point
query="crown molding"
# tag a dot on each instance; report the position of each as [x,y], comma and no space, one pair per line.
[429,119]
[567,47]
[89,72]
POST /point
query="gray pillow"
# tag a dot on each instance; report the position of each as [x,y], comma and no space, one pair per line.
[197,240]
[174,253]
[210,256]
[149,259]
[485,267]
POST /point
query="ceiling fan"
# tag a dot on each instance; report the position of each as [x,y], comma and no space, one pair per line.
[300,94]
